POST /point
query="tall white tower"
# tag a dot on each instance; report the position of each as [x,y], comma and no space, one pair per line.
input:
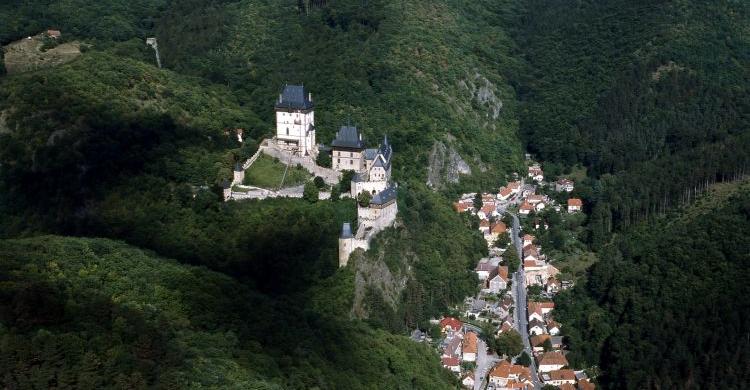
[295,121]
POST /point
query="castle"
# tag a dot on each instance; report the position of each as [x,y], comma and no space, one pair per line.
[372,169]
[295,121]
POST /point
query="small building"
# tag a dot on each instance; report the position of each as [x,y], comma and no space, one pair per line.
[500,281]
[54,34]
[470,347]
[450,324]
[537,342]
[564,185]
[485,270]
[467,380]
[551,361]
[505,375]
[536,173]
[528,239]
[559,377]
[575,205]
[526,208]
[452,363]
[295,121]
[536,327]
[347,150]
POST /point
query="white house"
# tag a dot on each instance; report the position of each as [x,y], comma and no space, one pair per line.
[468,380]
[526,208]
[536,173]
[551,361]
[485,270]
[564,185]
[574,205]
[452,363]
[295,121]
[559,377]
[528,239]
[536,327]
[498,283]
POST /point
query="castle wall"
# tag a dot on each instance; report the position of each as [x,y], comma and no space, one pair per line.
[291,128]
[347,160]
[369,186]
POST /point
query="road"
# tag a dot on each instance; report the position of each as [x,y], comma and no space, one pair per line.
[519,295]
[485,363]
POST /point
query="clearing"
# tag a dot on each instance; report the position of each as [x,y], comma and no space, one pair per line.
[266,172]
[26,54]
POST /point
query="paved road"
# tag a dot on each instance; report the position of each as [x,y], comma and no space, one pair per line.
[485,363]
[519,295]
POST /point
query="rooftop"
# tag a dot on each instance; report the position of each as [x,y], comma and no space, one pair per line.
[348,137]
[384,196]
[346,230]
[294,97]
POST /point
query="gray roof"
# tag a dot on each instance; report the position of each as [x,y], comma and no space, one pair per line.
[384,196]
[348,137]
[294,97]
[370,154]
[358,178]
[346,230]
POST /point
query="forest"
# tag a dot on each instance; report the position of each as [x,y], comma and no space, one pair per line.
[111,172]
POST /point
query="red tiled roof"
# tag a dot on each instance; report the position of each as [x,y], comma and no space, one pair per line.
[584,384]
[454,323]
[484,223]
[526,206]
[451,361]
[538,340]
[499,228]
[470,343]
[505,191]
[562,375]
[575,202]
[553,358]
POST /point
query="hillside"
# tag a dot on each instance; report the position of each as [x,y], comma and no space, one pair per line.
[636,91]
[664,307]
[96,313]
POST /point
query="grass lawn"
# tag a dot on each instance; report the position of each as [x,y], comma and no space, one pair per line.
[267,172]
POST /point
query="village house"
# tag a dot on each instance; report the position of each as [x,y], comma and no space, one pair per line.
[452,363]
[552,286]
[557,342]
[537,342]
[537,327]
[536,272]
[452,347]
[530,252]
[559,377]
[347,150]
[476,308]
[470,347]
[487,211]
[505,375]
[585,384]
[525,208]
[295,121]
[450,324]
[54,34]
[551,361]
[496,230]
[485,269]
[528,239]
[575,205]
[505,193]
[536,173]
[467,380]
[553,328]
[564,185]
[500,281]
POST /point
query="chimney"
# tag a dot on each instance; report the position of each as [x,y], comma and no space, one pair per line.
[360,136]
[309,96]
[279,98]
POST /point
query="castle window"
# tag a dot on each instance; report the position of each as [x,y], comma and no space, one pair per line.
[287,131]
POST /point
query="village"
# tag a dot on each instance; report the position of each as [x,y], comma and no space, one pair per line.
[516,267]
[503,305]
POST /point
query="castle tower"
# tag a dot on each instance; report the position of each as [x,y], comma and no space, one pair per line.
[295,121]
[346,244]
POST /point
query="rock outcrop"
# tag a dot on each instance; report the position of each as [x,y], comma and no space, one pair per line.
[446,166]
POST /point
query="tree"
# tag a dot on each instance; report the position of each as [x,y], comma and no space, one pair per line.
[478,201]
[547,345]
[512,259]
[364,198]
[310,193]
[524,359]
[323,160]
[346,180]
[502,240]
[335,193]
[509,343]
[319,182]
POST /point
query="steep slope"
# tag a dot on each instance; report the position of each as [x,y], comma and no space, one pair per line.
[420,72]
[94,313]
[640,91]
[666,305]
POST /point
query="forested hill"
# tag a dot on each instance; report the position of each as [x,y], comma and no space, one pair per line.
[95,313]
[666,306]
[636,91]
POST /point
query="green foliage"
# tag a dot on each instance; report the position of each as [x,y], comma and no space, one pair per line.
[319,182]
[653,302]
[653,112]
[508,343]
[478,201]
[345,184]
[310,192]
[364,198]
[511,259]
[524,359]
[323,160]
[93,313]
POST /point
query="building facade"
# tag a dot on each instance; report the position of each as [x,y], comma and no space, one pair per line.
[295,121]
